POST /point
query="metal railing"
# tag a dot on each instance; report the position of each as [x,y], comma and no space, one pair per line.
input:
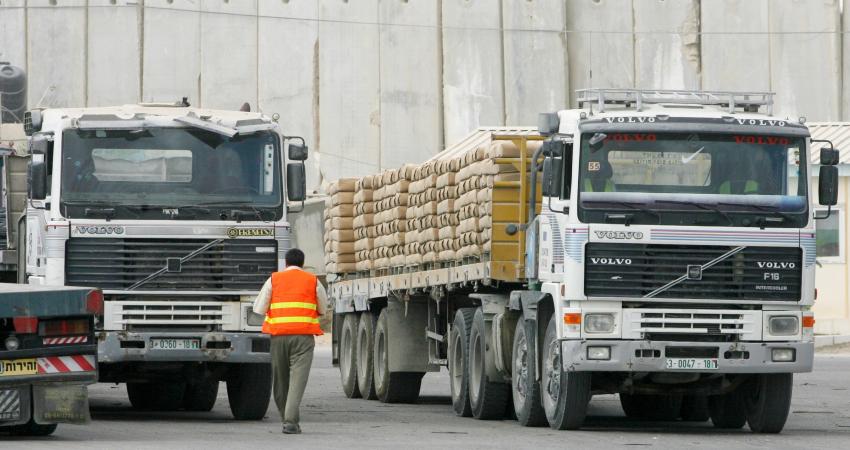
[637,98]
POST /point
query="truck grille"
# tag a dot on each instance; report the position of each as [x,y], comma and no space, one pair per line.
[704,325]
[118,264]
[638,270]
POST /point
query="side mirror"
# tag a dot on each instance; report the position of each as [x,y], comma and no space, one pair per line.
[297,152]
[828,156]
[37,179]
[553,148]
[828,185]
[296,182]
[551,177]
[548,123]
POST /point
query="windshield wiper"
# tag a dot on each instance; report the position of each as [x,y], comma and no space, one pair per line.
[234,213]
[761,222]
[701,206]
[100,208]
[627,218]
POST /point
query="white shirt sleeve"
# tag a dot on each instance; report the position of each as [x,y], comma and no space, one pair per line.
[321,298]
[261,303]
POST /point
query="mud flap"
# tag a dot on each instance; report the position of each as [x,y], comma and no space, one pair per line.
[61,403]
[408,346]
[15,406]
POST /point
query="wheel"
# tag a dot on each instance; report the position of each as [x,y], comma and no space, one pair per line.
[200,395]
[391,387]
[660,408]
[459,361]
[365,349]
[156,396]
[695,408]
[487,399]
[564,394]
[524,384]
[728,411]
[31,429]
[770,401]
[348,356]
[249,390]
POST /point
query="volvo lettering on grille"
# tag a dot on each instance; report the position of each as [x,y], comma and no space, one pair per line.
[99,229]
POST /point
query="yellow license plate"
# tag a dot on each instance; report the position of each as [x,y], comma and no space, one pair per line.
[13,367]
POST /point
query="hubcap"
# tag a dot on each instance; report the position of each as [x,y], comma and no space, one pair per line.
[381,361]
[551,377]
[347,352]
[520,372]
[476,363]
[456,367]
[362,354]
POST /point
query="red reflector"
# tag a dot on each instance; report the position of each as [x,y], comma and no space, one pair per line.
[94,302]
[64,327]
[25,324]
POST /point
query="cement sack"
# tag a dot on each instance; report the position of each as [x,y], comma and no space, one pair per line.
[341,235]
[364,244]
[341,247]
[342,211]
[364,195]
[363,220]
[342,185]
[342,198]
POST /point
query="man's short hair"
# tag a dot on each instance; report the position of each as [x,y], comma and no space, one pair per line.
[294,257]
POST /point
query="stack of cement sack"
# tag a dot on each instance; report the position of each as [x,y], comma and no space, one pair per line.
[390,197]
[365,231]
[339,231]
[440,211]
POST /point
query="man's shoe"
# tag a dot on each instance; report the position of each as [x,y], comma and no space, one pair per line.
[291,428]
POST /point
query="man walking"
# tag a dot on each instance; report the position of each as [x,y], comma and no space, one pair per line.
[292,301]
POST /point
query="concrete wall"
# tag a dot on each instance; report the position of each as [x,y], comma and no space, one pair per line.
[377,83]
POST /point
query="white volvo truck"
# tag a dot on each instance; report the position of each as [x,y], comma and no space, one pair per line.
[179,215]
[672,263]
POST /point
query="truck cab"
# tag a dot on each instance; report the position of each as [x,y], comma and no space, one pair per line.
[677,241]
[179,215]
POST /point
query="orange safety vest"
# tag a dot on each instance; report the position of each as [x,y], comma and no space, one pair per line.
[294,307]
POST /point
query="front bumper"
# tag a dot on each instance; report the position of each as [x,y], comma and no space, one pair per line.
[624,356]
[124,346]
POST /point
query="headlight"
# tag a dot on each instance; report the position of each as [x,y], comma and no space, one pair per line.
[599,353]
[599,323]
[784,325]
[783,355]
[253,319]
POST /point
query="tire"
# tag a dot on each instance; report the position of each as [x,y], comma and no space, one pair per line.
[391,387]
[348,355]
[525,388]
[564,394]
[695,408]
[31,429]
[365,356]
[659,408]
[201,395]
[157,396]
[487,399]
[768,408]
[459,361]
[728,411]
[249,390]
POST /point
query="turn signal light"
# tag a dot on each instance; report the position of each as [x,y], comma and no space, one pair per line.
[572,319]
[808,321]
[64,327]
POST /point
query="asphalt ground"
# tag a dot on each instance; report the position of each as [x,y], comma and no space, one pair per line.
[820,418]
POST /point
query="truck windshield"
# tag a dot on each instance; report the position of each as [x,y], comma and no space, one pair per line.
[172,172]
[693,179]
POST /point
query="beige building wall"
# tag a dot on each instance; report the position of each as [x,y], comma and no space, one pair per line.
[832,307]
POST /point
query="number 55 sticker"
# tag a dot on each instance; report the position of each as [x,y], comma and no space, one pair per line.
[594,166]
